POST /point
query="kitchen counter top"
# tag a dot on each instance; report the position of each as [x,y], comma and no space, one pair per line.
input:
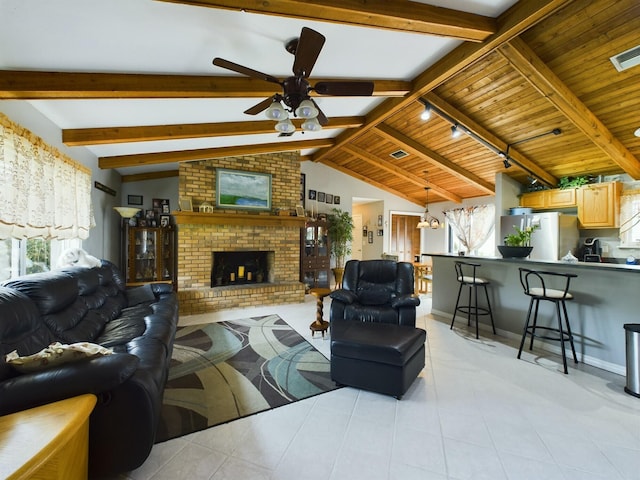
[605,298]
[595,265]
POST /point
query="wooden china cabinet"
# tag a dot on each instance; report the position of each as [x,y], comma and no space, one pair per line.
[150,255]
[315,255]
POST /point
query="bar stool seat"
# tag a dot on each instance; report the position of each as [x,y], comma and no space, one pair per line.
[466,276]
[535,284]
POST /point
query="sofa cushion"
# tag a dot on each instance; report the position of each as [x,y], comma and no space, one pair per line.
[140,294]
[365,313]
[21,327]
[50,291]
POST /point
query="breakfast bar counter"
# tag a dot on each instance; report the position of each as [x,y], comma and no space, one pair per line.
[606,296]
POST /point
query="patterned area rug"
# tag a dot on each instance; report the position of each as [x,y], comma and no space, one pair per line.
[228,370]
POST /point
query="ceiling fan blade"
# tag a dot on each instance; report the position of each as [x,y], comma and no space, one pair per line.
[259,107]
[346,89]
[322,118]
[249,72]
[309,45]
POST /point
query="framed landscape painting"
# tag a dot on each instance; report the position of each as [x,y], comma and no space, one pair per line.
[243,190]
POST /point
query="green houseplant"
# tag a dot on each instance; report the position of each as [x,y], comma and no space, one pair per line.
[340,233]
[518,244]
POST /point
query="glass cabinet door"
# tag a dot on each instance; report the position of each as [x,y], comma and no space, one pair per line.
[145,243]
[167,255]
[322,242]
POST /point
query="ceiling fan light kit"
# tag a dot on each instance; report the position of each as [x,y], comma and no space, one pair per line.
[296,89]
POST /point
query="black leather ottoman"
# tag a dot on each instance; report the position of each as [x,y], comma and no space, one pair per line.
[381,357]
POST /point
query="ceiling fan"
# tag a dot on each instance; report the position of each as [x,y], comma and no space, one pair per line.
[296,89]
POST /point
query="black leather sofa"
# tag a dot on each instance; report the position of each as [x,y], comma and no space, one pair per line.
[374,342]
[92,305]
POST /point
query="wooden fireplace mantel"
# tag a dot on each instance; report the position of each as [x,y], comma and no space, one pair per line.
[246,219]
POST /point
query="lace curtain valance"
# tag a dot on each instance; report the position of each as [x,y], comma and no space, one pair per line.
[43,193]
[472,225]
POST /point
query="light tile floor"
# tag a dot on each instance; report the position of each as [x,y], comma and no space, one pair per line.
[475,412]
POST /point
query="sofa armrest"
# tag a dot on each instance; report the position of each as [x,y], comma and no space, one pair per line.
[344,296]
[95,375]
[406,301]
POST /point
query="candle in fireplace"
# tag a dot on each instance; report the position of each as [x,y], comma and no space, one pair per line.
[249,276]
[241,271]
[232,277]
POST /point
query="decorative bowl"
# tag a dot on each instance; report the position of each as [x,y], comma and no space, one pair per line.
[514,252]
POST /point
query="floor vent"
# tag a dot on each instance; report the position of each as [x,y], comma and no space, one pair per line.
[627,59]
[398,154]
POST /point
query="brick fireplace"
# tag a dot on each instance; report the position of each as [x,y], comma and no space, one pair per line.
[202,234]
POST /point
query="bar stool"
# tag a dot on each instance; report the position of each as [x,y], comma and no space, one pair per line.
[535,287]
[466,276]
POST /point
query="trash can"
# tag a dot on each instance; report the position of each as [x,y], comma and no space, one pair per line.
[632,339]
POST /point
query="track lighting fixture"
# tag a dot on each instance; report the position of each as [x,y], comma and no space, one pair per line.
[426,113]
[457,129]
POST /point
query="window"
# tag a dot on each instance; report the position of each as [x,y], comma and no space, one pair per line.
[630,219]
[33,255]
[470,229]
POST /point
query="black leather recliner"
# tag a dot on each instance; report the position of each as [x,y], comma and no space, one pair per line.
[374,342]
[376,291]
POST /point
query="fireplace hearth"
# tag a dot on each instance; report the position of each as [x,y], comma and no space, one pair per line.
[241,267]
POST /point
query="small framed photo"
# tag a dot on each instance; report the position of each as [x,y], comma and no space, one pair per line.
[312,194]
[185,205]
[300,211]
[328,198]
[370,236]
[165,220]
[364,231]
[380,232]
[134,199]
[321,197]
[161,205]
[379,220]
[336,199]
[150,215]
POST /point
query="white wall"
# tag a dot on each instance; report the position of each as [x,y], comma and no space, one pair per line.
[321,178]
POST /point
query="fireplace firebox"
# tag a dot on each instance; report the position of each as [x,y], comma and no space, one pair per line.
[241,267]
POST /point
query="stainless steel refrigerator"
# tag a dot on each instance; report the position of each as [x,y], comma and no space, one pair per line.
[556,235]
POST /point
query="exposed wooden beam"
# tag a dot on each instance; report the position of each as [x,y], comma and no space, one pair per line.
[137,160]
[420,150]
[27,85]
[108,135]
[398,15]
[522,16]
[399,172]
[540,76]
[367,180]
[521,161]
[141,177]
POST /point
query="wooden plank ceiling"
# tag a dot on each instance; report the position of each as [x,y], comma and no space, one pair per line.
[542,65]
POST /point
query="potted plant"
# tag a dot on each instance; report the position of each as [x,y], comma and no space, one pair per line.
[518,244]
[340,235]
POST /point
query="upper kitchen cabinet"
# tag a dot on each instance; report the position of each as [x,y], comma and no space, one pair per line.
[599,205]
[549,199]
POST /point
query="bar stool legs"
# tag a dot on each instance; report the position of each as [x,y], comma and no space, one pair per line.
[466,275]
[542,292]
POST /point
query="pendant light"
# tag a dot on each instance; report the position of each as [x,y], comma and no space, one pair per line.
[428,220]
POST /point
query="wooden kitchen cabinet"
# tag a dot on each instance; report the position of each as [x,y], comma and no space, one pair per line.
[560,198]
[532,199]
[549,199]
[599,205]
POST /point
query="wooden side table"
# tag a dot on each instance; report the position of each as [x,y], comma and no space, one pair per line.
[320,325]
[50,441]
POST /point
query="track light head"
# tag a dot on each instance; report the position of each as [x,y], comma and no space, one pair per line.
[426,113]
[506,163]
[456,131]
[556,131]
